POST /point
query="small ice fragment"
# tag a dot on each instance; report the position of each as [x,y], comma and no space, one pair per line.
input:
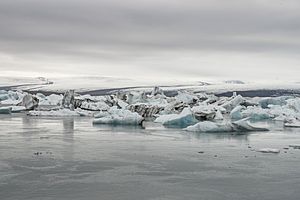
[269,150]
[295,146]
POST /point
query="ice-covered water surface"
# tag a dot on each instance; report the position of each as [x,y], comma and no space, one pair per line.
[70,158]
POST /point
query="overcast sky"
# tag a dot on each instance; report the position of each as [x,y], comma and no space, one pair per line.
[184,39]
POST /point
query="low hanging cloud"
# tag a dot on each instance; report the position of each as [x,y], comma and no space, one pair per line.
[185,39]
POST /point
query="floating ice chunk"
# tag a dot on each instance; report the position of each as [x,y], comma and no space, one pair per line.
[294,104]
[145,110]
[136,97]
[11,97]
[4,97]
[256,113]
[205,112]
[84,113]
[236,112]
[40,96]
[292,124]
[52,99]
[295,146]
[5,110]
[3,92]
[94,106]
[16,109]
[210,127]
[268,150]
[219,115]
[184,119]
[55,113]
[29,102]
[231,104]
[265,102]
[68,100]
[118,117]
[245,125]
[156,91]
[186,98]
[122,104]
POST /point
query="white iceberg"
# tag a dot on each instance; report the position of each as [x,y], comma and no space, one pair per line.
[257,113]
[186,98]
[184,119]
[5,110]
[52,99]
[233,102]
[265,102]
[245,125]
[239,126]
[16,109]
[94,106]
[210,127]
[29,102]
[292,124]
[205,111]
[218,115]
[118,117]
[236,112]
[268,150]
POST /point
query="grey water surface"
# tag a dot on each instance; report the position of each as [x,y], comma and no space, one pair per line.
[69,158]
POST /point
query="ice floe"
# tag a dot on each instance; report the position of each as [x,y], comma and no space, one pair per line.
[5,110]
[184,119]
[117,116]
[268,150]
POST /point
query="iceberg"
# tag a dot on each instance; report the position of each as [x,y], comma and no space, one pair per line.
[52,99]
[68,100]
[29,102]
[292,124]
[145,110]
[16,109]
[184,119]
[234,102]
[186,98]
[210,127]
[215,127]
[218,115]
[257,113]
[265,102]
[94,106]
[204,112]
[118,117]
[236,112]
[4,97]
[5,110]
[245,125]
[157,91]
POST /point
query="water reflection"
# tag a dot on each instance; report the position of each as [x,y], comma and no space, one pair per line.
[68,125]
[208,137]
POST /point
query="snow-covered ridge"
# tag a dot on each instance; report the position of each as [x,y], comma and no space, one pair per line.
[99,85]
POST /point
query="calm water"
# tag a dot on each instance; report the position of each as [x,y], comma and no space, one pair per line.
[55,158]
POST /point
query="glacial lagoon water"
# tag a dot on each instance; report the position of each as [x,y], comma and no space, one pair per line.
[70,158]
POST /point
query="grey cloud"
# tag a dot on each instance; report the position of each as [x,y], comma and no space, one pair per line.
[130,30]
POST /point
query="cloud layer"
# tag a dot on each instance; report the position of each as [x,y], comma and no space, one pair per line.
[239,39]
